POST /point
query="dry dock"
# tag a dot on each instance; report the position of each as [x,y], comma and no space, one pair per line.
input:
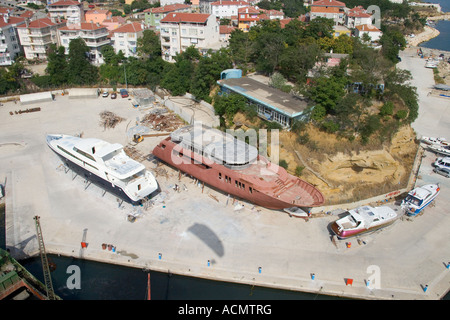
[196,231]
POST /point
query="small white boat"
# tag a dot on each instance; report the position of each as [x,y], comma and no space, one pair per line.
[435,141]
[362,220]
[431,63]
[106,164]
[297,212]
[420,197]
[443,150]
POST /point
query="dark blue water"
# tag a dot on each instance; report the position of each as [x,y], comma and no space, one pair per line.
[441,42]
[100,281]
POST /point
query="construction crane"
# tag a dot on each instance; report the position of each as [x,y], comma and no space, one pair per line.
[45,265]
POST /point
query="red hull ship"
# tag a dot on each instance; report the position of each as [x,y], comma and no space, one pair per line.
[234,167]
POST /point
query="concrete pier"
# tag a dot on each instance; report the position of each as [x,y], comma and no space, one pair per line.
[197,231]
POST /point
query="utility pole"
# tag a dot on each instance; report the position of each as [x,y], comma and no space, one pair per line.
[45,267]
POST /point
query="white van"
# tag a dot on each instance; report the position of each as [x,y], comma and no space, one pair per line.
[442,163]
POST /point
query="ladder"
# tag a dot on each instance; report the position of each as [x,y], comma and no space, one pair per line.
[45,266]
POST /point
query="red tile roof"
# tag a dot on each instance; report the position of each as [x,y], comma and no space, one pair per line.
[168,8]
[40,23]
[65,3]
[367,28]
[11,21]
[132,27]
[248,10]
[226,29]
[186,17]
[230,3]
[27,14]
[325,9]
[98,11]
[358,12]
[328,3]
[84,26]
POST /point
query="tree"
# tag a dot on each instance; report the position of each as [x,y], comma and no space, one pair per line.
[268,49]
[57,65]
[240,47]
[149,45]
[327,92]
[81,71]
[207,72]
[296,61]
[319,27]
[392,41]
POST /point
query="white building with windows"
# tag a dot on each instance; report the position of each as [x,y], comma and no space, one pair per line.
[125,38]
[94,35]
[66,9]
[356,17]
[227,8]
[373,32]
[182,30]
[36,36]
[9,39]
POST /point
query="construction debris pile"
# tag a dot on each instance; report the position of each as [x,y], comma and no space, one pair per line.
[133,153]
[109,119]
[26,111]
[162,120]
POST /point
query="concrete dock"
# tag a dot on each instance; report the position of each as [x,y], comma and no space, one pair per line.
[197,231]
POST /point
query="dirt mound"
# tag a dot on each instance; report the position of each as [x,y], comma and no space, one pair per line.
[345,170]
[353,173]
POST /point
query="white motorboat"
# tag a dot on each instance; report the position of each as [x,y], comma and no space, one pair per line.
[441,142]
[443,150]
[108,162]
[431,63]
[420,197]
[297,212]
[362,220]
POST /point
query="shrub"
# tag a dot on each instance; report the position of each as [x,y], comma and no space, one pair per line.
[283,163]
[299,170]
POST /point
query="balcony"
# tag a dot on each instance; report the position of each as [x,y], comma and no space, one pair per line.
[98,43]
[94,35]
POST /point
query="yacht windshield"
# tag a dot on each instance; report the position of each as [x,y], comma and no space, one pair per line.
[413,200]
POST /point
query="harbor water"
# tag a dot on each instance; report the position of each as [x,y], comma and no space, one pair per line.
[101,281]
[442,41]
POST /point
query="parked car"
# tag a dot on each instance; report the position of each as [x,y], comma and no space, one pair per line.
[443,171]
[105,94]
[113,95]
[123,93]
[442,163]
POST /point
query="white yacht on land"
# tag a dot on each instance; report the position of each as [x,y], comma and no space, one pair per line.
[116,171]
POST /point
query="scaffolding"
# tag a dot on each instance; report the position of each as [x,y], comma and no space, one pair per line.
[45,264]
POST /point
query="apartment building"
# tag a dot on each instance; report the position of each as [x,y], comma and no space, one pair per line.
[373,32]
[125,37]
[37,35]
[356,17]
[330,9]
[94,35]
[9,39]
[247,18]
[182,30]
[271,14]
[226,8]
[97,15]
[153,16]
[66,9]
